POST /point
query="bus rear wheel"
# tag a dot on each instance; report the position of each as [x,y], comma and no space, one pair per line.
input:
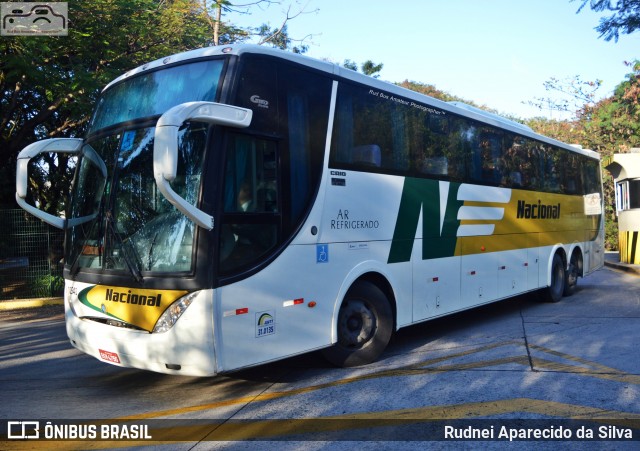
[571,281]
[555,291]
[364,326]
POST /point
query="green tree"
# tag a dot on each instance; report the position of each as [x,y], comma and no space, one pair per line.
[351,65]
[613,124]
[432,91]
[576,95]
[279,38]
[368,67]
[429,90]
[48,85]
[223,32]
[625,18]
[609,126]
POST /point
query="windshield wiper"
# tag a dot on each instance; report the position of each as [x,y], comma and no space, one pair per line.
[126,248]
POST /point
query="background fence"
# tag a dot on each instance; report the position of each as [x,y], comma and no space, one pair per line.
[31,255]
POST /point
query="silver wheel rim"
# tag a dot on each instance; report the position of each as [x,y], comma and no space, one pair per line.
[357,324]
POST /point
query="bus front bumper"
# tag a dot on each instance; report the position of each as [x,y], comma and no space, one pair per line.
[185,349]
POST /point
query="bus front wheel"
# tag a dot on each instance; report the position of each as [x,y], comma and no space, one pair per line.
[364,326]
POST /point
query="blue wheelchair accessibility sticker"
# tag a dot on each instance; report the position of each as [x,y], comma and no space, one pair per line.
[322,253]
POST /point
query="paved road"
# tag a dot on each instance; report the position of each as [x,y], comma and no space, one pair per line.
[512,363]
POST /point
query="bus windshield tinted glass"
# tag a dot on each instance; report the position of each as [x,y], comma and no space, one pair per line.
[136,229]
[154,93]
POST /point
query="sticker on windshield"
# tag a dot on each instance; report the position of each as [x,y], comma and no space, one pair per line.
[127,141]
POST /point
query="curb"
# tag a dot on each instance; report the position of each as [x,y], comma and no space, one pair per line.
[29,303]
[632,269]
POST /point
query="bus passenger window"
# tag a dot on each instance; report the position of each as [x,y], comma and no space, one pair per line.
[552,169]
[368,155]
[370,133]
[435,152]
[487,160]
[572,174]
[513,159]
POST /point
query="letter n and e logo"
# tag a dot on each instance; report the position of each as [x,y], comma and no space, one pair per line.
[443,210]
[439,204]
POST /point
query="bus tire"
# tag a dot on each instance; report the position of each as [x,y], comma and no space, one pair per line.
[571,279]
[364,326]
[554,292]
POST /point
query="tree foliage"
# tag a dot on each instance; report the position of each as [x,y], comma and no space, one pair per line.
[368,67]
[625,18]
[432,91]
[48,85]
[609,126]
[279,38]
[221,32]
[575,93]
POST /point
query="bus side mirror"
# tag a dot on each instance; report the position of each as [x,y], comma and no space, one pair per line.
[72,146]
[165,148]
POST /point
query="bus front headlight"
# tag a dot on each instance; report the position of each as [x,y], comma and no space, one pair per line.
[175,311]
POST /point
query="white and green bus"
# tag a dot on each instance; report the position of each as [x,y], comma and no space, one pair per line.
[236,205]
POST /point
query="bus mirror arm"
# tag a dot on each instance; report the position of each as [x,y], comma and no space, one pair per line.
[165,148]
[57,145]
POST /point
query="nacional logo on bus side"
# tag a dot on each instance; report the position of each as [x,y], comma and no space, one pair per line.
[537,211]
[450,211]
[443,209]
[456,216]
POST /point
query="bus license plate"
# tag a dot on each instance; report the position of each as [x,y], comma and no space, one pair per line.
[109,356]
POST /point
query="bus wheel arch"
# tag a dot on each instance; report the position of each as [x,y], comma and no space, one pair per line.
[385,286]
[365,322]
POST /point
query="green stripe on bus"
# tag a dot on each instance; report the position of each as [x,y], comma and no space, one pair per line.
[424,194]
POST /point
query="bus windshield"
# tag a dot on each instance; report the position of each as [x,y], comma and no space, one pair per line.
[154,93]
[136,229]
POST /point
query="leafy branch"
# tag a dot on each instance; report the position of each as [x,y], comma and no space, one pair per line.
[625,20]
[576,95]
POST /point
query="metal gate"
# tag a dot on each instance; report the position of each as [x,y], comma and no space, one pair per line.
[31,255]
